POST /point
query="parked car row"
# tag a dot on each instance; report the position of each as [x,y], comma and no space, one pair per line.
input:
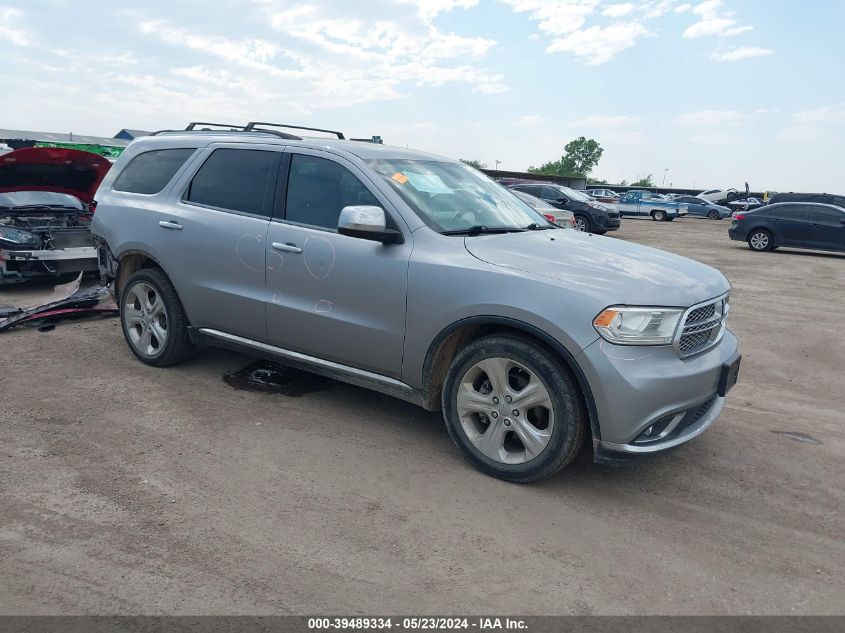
[589,215]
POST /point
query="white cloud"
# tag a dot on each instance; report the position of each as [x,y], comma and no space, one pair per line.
[528,120]
[618,10]
[563,16]
[683,8]
[740,53]
[714,20]
[17,36]
[815,124]
[598,45]
[604,121]
[712,118]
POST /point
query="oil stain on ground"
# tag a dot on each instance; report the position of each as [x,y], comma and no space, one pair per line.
[266,377]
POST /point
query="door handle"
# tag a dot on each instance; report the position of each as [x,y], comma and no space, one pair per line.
[287,248]
[170,224]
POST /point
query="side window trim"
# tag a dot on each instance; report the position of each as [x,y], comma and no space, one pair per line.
[268,205]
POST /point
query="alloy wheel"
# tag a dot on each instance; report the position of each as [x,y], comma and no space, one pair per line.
[580,223]
[505,410]
[759,241]
[145,317]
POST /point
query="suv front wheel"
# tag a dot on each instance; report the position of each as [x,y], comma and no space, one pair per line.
[512,409]
[153,321]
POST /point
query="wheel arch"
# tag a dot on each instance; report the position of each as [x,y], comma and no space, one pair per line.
[457,335]
[131,261]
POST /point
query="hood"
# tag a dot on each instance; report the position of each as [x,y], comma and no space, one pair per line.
[20,199]
[611,270]
[54,169]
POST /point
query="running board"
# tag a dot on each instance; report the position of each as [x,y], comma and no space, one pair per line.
[336,371]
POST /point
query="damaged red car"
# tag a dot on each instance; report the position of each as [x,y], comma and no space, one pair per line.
[46,203]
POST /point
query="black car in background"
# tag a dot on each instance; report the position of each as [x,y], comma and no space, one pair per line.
[793,224]
[820,198]
[590,215]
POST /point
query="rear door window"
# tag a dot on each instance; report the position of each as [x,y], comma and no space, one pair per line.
[236,180]
[797,212]
[149,172]
[551,194]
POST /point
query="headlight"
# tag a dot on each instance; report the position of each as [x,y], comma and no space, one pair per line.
[638,326]
[17,238]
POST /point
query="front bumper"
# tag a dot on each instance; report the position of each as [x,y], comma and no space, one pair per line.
[636,388]
[20,264]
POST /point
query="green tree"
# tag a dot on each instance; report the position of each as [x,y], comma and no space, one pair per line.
[473,163]
[596,181]
[580,158]
[644,181]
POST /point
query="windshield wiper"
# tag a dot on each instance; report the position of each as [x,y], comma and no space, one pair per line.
[479,228]
[540,227]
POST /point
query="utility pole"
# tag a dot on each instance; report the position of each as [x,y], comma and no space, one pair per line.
[497,165]
[664,176]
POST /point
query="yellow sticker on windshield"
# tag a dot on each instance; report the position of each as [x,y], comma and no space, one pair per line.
[400,177]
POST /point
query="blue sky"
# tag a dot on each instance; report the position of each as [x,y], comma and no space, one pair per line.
[718,91]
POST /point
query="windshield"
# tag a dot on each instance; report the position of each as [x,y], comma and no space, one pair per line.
[453,197]
[534,203]
[575,195]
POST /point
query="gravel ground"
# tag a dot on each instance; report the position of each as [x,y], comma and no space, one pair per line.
[128,489]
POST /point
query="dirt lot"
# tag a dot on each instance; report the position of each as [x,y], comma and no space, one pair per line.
[135,490]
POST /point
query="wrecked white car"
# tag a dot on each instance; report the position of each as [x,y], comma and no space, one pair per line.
[46,204]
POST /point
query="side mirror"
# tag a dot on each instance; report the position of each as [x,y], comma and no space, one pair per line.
[367,223]
[562,201]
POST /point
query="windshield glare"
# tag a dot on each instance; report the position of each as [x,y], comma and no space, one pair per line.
[577,195]
[454,197]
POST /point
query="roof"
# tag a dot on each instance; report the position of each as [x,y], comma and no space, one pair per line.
[59,137]
[363,150]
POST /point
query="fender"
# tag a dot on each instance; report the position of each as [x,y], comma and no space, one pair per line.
[567,357]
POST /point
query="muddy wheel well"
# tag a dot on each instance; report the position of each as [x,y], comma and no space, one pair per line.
[129,264]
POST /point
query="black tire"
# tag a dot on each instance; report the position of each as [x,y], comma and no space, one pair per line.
[568,431]
[714,215]
[761,240]
[672,219]
[658,215]
[584,221]
[177,346]
[599,232]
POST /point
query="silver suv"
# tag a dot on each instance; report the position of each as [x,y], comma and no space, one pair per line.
[416,276]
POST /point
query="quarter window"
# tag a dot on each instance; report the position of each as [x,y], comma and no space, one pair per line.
[319,188]
[236,180]
[149,172]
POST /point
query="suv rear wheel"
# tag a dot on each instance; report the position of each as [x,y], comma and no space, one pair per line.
[512,409]
[154,323]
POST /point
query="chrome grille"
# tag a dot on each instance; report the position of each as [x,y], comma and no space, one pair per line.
[703,327]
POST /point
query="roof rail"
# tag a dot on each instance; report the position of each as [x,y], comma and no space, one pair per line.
[231,127]
[227,129]
[251,127]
